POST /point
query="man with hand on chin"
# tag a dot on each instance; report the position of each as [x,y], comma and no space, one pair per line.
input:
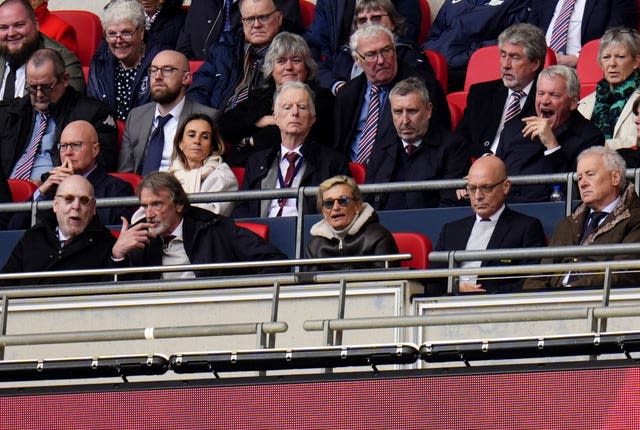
[174,232]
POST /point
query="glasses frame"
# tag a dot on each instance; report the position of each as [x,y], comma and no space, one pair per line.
[372,56]
[165,71]
[125,36]
[374,19]
[262,19]
[343,201]
[48,89]
[69,199]
[485,189]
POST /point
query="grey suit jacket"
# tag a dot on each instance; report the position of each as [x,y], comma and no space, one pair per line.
[138,129]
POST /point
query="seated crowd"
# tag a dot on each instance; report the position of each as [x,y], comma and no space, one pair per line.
[289,110]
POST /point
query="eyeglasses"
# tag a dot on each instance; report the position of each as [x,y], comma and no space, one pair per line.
[70,198]
[342,201]
[372,56]
[126,36]
[374,19]
[262,19]
[46,89]
[75,146]
[166,71]
[471,189]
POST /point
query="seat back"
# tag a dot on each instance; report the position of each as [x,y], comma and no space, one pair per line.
[588,68]
[21,189]
[456,114]
[307,12]
[416,244]
[439,64]
[425,22]
[457,102]
[132,178]
[194,65]
[261,230]
[239,172]
[88,29]
[484,65]
[358,172]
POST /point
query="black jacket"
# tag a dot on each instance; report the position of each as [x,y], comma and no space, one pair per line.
[211,238]
[167,26]
[17,119]
[39,250]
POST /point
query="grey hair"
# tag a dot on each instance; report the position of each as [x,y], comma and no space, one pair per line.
[568,74]
[412,85]
[369,30]
[296,85]
[44,55]
[337,180]
[398,21]
[123,10]
[286,43]
[612,162]
[628,37]
[528,35]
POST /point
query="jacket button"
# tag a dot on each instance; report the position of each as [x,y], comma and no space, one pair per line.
[486,143]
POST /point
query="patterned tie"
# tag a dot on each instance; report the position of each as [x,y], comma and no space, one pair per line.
[25,163]
[368,136]
[514,105]
[156,146]
[561,27]
[291,157]
[409,149]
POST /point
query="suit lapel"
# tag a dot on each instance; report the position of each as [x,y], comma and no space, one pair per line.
[147,118]
[502,229]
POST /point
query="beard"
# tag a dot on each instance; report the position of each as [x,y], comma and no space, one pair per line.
[165,95]
[20,57]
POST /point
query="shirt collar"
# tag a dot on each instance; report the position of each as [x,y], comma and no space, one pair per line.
[495,216]
[175,112]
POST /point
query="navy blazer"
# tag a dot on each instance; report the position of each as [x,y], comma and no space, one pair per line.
[442,155]
[598,16]
[513,230]
[481,119]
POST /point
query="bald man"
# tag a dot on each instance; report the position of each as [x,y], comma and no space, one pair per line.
[79,149]
[169,78]
[493,226]
[72,239]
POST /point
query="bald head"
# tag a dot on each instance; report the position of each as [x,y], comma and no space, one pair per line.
[169,90]
[488,185]
[74,205]
[79,146]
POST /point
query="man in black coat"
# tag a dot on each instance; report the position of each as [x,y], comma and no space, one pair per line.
[294,113]
[51,94]
[372,48]
[174,232]
[550,141]
[493,226]
[523,50]
[420,152]
[72,240]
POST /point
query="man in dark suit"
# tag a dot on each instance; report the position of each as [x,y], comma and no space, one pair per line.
[169,79]
[491,104]
[493,226]
[586,23]
[372,48]
[297,162]
[550,140]
[421,151]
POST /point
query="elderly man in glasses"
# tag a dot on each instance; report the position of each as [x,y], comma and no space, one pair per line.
[30,127]
[493,226]
[72,239]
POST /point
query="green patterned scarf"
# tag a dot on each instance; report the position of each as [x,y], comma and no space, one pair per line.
[610,101]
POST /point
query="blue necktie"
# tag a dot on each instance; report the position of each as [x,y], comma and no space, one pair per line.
[156,146]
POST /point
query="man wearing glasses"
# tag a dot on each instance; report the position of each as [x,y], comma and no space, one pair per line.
[147,143]
[72,239]
[233,66]
[493,226]
[19,39]
[30,127]
[362,115]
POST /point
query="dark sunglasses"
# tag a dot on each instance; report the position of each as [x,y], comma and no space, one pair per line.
[342,201]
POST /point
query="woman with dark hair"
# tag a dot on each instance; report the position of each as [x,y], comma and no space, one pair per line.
[349,228]
[250,126]
[610,106]
[197,162]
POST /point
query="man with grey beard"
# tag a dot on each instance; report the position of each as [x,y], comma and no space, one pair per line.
[169,78]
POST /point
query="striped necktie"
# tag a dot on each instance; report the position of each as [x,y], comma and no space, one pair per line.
[25,163]
[370,129]
[561,27]
[514,105]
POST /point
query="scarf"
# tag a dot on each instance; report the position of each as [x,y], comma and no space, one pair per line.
[610,101]
[191,180]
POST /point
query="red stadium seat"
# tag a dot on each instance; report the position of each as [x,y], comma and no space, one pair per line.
[588,67]
[261,230]
[416,244]
[21,189]
[439,64]
[425,22]
[239,172]
[457,103]
[456,115]
[307,11]
[132,178]
[88,30]
[194,65]
[121,125]
[481,65]
[358,172]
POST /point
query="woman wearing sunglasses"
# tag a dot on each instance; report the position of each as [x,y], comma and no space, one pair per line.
[350,226]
